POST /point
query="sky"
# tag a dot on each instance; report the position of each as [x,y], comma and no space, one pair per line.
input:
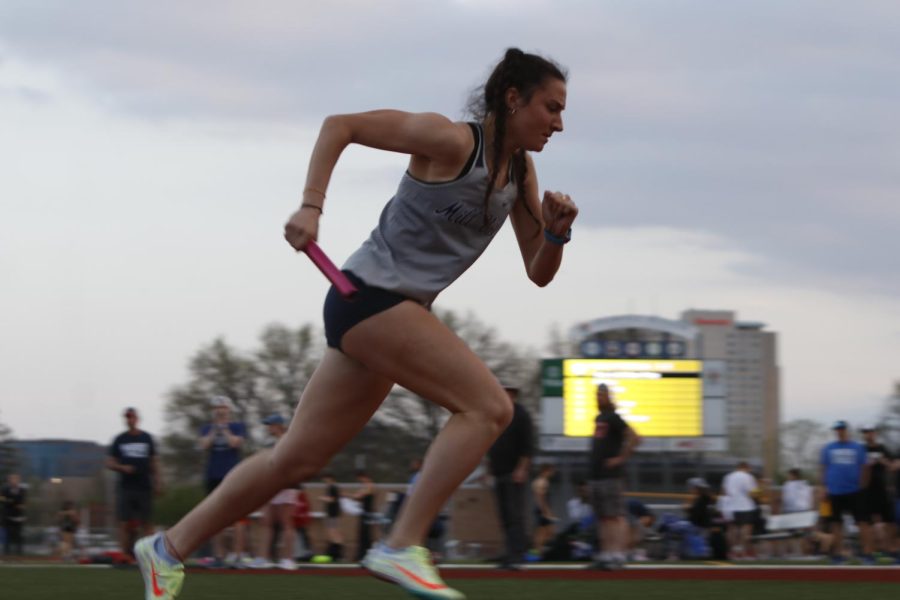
[724,155]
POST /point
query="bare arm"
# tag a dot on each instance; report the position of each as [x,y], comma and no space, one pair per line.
[540,497]
[156,474]
[207,440]
[234,441]
[556,214]
[632,441]
[365,490]
[114,465]
[520,473]
[428,137]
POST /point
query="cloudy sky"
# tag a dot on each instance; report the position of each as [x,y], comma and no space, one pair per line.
[726,155]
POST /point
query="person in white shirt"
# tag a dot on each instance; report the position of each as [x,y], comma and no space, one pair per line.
[579,508]
[739,486]
[796,494]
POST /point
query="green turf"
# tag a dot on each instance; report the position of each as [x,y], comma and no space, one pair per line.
[54,583]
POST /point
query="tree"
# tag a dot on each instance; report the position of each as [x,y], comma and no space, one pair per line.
[557,343]
[284,365]
[9,460]
[273,377]
[890,418]
[801,442]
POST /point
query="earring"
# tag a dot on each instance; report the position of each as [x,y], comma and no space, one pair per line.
[512,111]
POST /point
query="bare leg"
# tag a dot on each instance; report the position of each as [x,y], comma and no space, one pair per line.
[867,537]
[746,534]
[837,543]
[334,535]
[409,345]
[218,545]
[405,344]
[338,401]
[285,516]
[239,542]
[125,536]
[265,536]
[614,532]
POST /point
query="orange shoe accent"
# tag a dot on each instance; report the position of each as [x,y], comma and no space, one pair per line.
[156,591]
[419,580]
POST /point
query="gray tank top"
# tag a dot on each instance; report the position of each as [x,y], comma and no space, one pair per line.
[430,233]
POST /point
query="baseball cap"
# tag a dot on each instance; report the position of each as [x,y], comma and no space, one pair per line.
[868,427]
[274,419]
[130,410]
[217,401]
[698,482]
[841,424]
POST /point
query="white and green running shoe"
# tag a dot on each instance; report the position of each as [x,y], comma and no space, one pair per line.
[411,569]
[162,579]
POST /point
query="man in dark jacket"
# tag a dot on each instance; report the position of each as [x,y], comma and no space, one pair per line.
[509,461]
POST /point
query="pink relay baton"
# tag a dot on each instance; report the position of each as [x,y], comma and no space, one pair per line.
[343,285]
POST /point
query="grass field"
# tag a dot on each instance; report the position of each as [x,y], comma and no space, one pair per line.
[61,583]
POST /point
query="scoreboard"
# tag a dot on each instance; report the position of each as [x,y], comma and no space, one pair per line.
[658,398]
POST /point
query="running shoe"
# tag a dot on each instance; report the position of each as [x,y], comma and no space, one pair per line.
[411,569]
[261,563]
[162,579]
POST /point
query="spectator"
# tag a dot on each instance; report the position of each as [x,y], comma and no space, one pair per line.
[12,499]
[877,507]
[302,518]
[739,487]
[279,512]
[613,442]
[509,462]
[701,510]
[797,496]
[704,514]
[843,474]
[222,439]
[578,507]
[332,509]
[640,521]
[133,455]
[365,495]
[544,518]
[68,521]
[796,493]
[762,500]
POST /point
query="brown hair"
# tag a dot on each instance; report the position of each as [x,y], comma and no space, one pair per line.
[525,72]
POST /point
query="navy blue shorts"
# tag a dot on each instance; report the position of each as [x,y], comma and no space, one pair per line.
[342,314]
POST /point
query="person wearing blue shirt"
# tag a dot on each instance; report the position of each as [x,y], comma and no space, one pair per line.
[844,474]
[223,439]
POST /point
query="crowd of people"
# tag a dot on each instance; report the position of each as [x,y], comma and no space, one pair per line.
[850,511]
[751,518]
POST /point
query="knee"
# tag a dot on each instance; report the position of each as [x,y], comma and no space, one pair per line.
[498,412]
[291,470]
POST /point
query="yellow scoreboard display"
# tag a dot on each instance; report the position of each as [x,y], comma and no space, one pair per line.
[658,398]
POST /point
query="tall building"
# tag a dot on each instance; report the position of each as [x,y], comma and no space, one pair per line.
[752,380]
